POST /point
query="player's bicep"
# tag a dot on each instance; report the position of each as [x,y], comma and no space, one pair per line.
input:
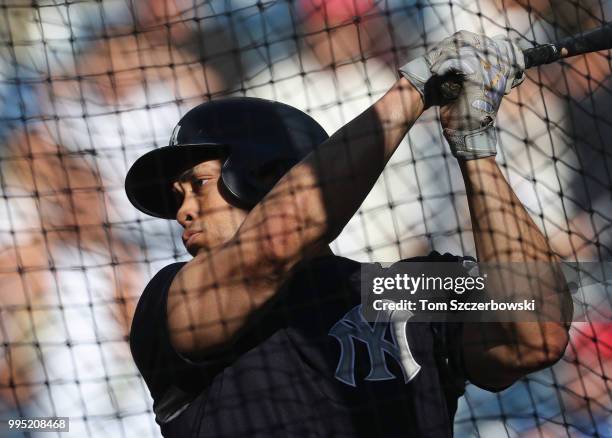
[212,297]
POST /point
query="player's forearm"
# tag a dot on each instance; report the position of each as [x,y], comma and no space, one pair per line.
[313,202]
[504,232]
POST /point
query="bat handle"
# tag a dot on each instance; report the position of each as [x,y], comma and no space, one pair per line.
[543,54]
[585,42]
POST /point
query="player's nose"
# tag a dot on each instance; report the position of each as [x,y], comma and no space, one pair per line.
[188,211]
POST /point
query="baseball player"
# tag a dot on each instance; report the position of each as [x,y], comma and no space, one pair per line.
[261,333]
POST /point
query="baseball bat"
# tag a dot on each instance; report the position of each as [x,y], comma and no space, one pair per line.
[586,42]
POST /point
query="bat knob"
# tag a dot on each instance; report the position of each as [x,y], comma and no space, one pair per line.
[451,86]
[450,89]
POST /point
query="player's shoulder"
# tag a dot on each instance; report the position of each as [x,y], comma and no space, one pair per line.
[155,291]
[160,283]
[162,279]
[167,272]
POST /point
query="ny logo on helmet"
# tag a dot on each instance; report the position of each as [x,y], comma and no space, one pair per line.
[353,327]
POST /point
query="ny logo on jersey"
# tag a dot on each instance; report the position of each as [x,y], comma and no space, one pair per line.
[353,327]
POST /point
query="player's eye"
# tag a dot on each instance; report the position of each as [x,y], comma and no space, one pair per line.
[200,182]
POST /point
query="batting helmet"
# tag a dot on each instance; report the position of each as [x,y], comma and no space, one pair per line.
[258,141]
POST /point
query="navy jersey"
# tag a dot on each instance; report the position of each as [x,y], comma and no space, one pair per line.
[306,365]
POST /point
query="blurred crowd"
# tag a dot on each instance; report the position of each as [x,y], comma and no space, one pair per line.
[86,88]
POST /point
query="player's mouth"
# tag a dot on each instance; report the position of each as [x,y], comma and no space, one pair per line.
[189,237]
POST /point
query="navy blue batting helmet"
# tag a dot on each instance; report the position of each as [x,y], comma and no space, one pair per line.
[258,141]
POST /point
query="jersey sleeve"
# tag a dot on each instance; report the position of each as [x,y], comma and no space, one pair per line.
[173,380]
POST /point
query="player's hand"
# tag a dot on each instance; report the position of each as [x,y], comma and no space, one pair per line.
[419,73]
[427,76]
[488,68]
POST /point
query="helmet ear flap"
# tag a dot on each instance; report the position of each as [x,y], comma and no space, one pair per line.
[268,174]
[229,194]
[247,185]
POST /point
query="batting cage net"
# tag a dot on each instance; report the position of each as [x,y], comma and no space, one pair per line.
[87,87]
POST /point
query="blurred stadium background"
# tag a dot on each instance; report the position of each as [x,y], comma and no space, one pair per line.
[88,86]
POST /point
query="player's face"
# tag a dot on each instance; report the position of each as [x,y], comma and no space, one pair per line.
[207,218]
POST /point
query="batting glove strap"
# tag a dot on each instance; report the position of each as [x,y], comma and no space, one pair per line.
[418,73]
[474,144]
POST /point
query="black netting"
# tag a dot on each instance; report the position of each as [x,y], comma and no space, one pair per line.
[86,87]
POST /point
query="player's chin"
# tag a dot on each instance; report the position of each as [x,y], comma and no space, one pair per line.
[197,244]
[193,247]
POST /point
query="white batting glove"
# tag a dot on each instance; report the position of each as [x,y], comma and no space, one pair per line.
[419,74]
[420,71]
[489,68]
